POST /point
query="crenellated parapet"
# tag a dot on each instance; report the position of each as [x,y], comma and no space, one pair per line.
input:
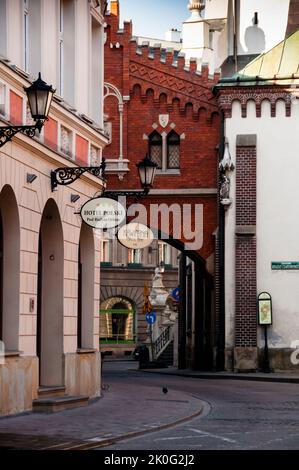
[157,72]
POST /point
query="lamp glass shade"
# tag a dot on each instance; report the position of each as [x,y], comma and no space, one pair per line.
[147,171]
[39,96]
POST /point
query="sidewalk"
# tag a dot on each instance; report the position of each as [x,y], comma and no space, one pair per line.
[281,376]
[123,411]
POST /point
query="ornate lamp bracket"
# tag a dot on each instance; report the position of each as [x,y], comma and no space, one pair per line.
[67,175]
[8,132]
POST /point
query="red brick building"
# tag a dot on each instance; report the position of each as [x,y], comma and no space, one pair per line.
[155,103]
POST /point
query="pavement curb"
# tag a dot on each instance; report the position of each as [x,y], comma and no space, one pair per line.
[87,445]
[215,376]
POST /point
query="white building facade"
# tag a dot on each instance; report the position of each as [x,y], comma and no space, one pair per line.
[259,191]
[50,260]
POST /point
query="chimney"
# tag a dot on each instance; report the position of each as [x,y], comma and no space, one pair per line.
[293,17]
[114,8]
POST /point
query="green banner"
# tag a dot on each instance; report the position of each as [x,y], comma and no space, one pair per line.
[285,265]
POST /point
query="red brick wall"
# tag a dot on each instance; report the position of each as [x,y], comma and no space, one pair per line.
[245,320]
[16,108]
[246,186]
[245,323]
[50,133]
[156,88]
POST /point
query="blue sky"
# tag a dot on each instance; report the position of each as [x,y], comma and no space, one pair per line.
[152,18]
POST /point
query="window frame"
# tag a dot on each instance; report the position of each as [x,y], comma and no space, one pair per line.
[105,254]
[26,35]
[152,144]
[132,252]
[178,144]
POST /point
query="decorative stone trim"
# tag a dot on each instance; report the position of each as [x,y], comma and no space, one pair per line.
[226,97]
[245,230]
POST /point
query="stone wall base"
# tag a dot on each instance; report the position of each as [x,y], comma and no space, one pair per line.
[281,358]
[18,384]
[83,374]
[229,359]
[245,359]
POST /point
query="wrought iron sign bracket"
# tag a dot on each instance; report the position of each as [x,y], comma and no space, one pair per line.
[8,132]
[67,175]
[137,195]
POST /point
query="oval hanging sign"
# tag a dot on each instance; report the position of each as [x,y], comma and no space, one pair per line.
[135,235]
[103,212]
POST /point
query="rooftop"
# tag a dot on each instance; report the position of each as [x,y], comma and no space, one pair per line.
[278,66]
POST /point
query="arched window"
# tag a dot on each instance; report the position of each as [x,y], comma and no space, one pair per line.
[155,148]
[173,150]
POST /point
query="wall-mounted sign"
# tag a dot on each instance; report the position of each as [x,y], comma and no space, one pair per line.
[151,318]
[103,212]
[135,235]
[176,294]
[285,265]
[264,309]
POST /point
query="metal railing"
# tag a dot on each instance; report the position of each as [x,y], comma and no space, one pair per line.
[162,341]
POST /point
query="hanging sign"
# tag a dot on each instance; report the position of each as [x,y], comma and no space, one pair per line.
[103,212]
[264,309]
[135,235]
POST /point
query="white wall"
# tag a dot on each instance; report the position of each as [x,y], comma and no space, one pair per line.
[83,48]
[277,216]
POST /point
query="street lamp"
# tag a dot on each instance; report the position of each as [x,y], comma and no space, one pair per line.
[39,96]
[147,171]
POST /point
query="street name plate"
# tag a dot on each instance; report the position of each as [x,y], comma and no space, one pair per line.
[285,265]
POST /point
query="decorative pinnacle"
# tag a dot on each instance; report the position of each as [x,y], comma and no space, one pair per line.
[196,5]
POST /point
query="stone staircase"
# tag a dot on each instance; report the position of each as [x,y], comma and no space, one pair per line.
[54,399]
[163,346]
[167,354]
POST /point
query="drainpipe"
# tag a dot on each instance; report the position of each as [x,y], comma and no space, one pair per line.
[182,313]
[235,32]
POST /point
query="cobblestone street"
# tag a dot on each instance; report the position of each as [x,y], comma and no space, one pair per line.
[196,413]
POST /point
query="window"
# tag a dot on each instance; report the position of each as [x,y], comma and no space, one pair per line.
[164,150]
[164,253]
[134,256]
[26,35]
[155,148]
[66,50]
[105,251]
[173,150]
[60,48]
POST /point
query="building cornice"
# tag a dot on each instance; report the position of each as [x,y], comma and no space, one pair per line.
[226,97]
